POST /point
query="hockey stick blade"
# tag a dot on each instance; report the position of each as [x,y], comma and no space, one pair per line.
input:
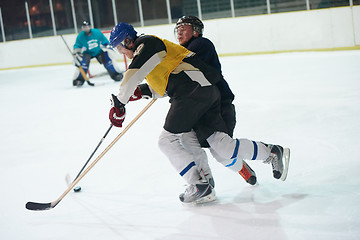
[40,206]
[90,83]
[47,206]
[83,74]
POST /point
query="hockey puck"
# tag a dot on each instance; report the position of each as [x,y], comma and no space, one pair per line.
[77,189]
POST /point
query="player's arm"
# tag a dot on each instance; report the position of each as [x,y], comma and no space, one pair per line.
[203,48]
[149,52]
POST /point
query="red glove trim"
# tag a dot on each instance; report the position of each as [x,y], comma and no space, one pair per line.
[137,95]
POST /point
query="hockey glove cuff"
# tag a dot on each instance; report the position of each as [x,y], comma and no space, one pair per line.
[77,59]
[117,112]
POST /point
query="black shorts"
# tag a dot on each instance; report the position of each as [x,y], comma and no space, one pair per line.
[200,111]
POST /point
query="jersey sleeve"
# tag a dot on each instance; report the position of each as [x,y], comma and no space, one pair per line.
[206,51]
[78,43]
[146,58]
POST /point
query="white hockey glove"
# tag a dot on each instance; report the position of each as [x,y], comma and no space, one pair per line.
[106,48]
[78,57]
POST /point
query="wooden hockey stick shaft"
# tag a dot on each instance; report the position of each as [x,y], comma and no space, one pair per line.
[46,206]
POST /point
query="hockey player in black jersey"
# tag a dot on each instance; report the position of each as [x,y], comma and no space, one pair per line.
[189,32]
[172,70]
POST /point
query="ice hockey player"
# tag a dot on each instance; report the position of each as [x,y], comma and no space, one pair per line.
[189,32]
[172,70]
[91,43]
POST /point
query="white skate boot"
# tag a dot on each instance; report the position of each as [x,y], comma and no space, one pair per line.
[198,193]
[279,159]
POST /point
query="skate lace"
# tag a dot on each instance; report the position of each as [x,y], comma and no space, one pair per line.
[190,189]
[273,160]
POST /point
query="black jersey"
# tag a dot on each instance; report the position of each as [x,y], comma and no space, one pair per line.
[160,58]
[205,50]
[190,84]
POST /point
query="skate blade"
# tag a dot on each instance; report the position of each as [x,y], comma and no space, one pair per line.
[208,198]
[286,160]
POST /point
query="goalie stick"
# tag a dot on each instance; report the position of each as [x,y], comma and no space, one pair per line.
[85,77]
[83,74]
[46,206]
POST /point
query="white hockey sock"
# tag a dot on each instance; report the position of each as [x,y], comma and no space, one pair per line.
[180,158]
[231,152]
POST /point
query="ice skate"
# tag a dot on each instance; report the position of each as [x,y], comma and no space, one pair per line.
[207,178]
[279,157]
[248,174]
[198,193]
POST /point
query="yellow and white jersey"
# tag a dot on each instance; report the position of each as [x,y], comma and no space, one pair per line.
[168,68]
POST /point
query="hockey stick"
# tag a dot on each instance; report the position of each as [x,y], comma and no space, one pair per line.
[85,77]
[94,152]
[83,74]
[98,75]
[50,205]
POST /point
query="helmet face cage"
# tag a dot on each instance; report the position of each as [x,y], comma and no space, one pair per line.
[193,21]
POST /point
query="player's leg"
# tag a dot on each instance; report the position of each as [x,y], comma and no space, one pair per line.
[182,116]
[78,79]
[110,65]
[191,144]
[233,151]
[228,113]
[184,163]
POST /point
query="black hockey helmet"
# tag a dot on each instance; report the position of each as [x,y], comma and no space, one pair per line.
[193,21]
[86,26]
[85,23]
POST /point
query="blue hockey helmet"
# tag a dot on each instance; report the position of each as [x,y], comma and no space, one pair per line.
[123,34]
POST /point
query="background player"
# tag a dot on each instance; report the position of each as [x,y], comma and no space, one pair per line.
[91,43]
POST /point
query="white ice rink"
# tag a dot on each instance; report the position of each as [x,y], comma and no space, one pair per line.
[309,102]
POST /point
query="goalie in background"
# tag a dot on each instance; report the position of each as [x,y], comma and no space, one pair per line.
[91,43]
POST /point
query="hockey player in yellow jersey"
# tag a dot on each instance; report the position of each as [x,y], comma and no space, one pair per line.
[175,72]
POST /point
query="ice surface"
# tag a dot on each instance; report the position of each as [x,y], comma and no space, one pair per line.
[309,102]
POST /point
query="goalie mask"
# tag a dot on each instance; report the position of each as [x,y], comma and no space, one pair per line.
[86,27]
